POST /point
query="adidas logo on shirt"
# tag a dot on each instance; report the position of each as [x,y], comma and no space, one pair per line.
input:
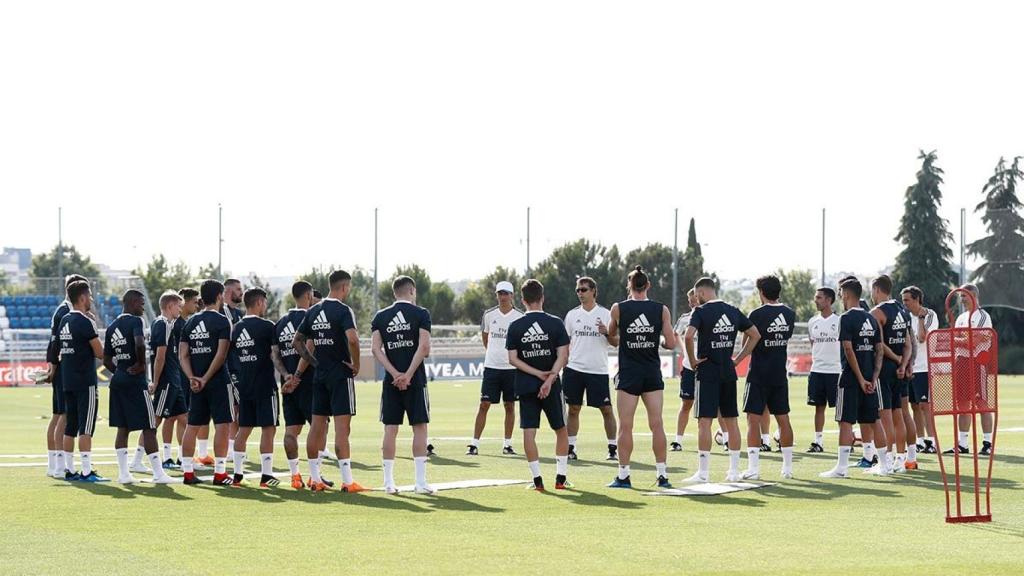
[65,332]
[900,322]
[199,332]
[723,325]
[118,339]
[321,323]
[640,326]
[244,340]
[398,324]
[535,334]
[287,334]
[777,325]
[867,329]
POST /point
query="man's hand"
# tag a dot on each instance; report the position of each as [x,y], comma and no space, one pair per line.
[198,384]
[601,328]
[152,388]
[900,372]
[135,369]
[353,366]
[699,362]
[866,386]
[545,388]
[401,382]
[290,383]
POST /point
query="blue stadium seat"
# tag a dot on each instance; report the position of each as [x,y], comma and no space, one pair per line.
[15,323]
[44,322]
[6,301]
[56,300]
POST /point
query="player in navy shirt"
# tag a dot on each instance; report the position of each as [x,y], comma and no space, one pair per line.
[55,429]
[767,389]
[203,352]
[124,355]
[80,347]
[710,340]
[899,348]
[858,400]
[258,358]
[538,348]
[191,305]
[400,342]
[167,389]
[642,325]
[332,328]
[297,393]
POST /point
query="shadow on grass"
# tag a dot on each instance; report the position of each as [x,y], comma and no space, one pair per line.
[130,491]
[600,499]
[821,490]
[441,502]
[438,460]
[997,528]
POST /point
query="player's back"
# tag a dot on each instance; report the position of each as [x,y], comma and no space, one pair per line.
[399,327]
[252,339]
[640,328]
[775,323]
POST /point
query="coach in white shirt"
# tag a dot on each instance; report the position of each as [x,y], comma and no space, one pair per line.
[979,319]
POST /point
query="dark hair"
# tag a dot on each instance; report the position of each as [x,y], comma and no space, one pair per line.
[588,281]
[317,294]
[705,282]
[209,290]
[852,285]
[77,289]
[167,297]
[915,293]
[73,278]
[337,277]
[188,293]
[829,293]
[883,283]
[252,295]
[532,291]
[131,294]
[770,286]
[232,282]
[845,278]
[638,279]
[400,283]
[301,288]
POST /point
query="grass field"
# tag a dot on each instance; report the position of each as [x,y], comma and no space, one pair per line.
[800,526]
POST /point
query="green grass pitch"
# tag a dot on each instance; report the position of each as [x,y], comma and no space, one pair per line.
[800,526]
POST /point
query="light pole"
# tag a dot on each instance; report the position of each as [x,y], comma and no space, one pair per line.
[675,281]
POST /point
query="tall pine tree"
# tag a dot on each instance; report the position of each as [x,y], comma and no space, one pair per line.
[692,265]
[925,259]
[1001,276]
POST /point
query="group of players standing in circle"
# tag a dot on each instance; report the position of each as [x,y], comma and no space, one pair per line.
[212,362]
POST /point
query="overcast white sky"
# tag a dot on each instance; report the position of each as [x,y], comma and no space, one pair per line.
[452,117]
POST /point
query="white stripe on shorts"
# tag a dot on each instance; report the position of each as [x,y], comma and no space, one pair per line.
[351,396]
[90,423]
[149,409]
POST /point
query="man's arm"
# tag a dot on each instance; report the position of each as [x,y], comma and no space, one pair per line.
[218,360]
[108,363]
[422,351]
[377,348]
[306,355]
[851,360]
[691,353]
[878,361]
[353,349]
[140,356]
[667,330]
[750,339]
[159,359]
[184,358]
[97,348]
[886,351]
[275,357]
[561,359]
[908,359]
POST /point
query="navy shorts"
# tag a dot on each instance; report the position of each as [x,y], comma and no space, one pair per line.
[595,386]
[259,410]
[822,389]
[637,382]
[758,395]
[686,384]
[298,404]
[213,402]
[396,404]
[498,384]
[81,408]
[169,401]
[853,406]
[553,407]
[334,394]
[714,396]
[57,399]
[919,388]
[131,407]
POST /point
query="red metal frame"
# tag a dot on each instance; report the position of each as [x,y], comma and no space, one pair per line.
[963,370]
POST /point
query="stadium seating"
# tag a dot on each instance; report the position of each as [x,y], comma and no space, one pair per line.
[34,311]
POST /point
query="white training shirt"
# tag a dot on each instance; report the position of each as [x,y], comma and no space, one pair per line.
[980,319]
[680,331]
[588,348]
[495,325]
[825,349]
[931,322]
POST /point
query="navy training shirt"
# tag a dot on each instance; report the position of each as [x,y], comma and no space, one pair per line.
[717,325]
[536,338]
[285,332]
[399,326]
[861,329]
[202,334]
[640,327]
[775,323]
[119,344]
[53,348]
[166,334]
[897,321]
[252,339]
[78,364]
[326,323]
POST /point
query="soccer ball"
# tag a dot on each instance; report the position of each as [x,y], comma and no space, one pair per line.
[719,437]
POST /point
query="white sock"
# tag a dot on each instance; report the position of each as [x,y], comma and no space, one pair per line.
[122,461]
[535,468]
[819,438]
[987,437]
[613,442]
[69,461]
[86,463]
[703,462]
[239,460]
[293,466]
[869,450]
[51,460]
[508,442]
[167,451]
[912,452]
[154,461]
[421,470]
[754,459]
[844,458]
[679,438]
[963,438]
[203,448]
[140,453]
[572,441]
[766,439]
[562,465]
[186,464]
[314,470]
[883,458]
[345,465]
[324,455]
[662,469]
[389,472]
[787,457]
[734,461]
[475,442]
[58,462]
[266,464]
[219,464]
[623,472]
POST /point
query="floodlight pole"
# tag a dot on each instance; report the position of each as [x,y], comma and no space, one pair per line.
[220,239]
[527,241]
[675,282]
[60,243]
[822,247]
[375,295]
[963,248]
